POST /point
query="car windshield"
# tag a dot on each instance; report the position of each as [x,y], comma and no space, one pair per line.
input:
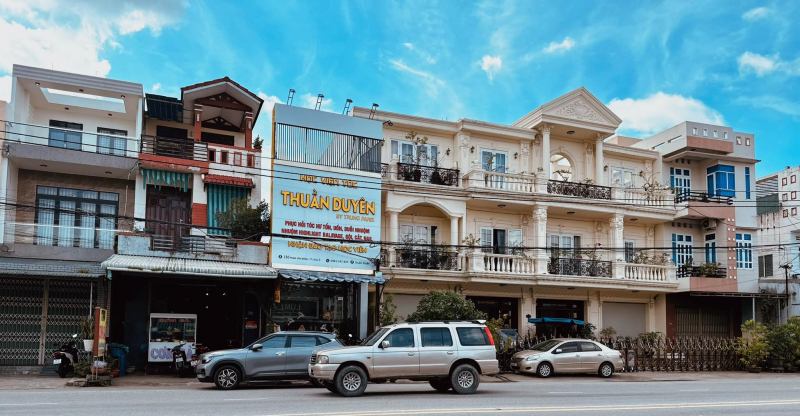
[546,346]
[372,339]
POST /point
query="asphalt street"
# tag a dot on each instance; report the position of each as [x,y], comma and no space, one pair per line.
[727,394]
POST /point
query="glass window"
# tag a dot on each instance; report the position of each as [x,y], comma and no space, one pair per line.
[74,218]
[546,345]
[794,179]
[738,139]
[705,132]
[560,168]
[65,135]
[373,339]
[630,253]
[747,182]
[587,346]
[725,135]
[111,141]
[694,131]
[472,336]
[681,250]
[711,248]
[747,141]
[622,177]
[568,347]
[401,338]
[323,340]
[744,251]
[436,337]
[277,341]
[721,180]
[302,341]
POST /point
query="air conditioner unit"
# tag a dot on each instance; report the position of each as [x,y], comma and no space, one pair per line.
[709,224]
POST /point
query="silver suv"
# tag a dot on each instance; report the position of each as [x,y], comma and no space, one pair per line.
[278,356]
[449,355]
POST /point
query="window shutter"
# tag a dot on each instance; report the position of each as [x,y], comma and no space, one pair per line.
[433,154]
[486,239]
[768,265]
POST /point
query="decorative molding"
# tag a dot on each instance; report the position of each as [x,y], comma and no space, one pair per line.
[580,109]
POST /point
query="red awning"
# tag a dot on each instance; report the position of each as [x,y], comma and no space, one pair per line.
[229,181]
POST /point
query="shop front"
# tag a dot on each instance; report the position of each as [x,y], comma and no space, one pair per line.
[559,317]
[504,309]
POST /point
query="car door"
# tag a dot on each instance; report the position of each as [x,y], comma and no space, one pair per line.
[400,358]
[591,356]
[298,354]
[436,350]
[566,357]
[270,359]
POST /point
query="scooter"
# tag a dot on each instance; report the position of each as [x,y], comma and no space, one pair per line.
[182,359]
[65,357]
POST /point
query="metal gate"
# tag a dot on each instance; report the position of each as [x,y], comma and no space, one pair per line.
[37,315]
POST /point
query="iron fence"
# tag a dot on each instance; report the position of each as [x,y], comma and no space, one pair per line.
[435,258]
[701,271]
[180,148]
[427,174]
[646,353]
[699,196]
[327,148]
[578,189]
[579,267]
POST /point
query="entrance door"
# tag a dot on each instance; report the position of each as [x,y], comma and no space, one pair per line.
[556,308]
[167,209]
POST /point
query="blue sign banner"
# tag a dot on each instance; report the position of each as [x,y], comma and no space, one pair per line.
[324,220]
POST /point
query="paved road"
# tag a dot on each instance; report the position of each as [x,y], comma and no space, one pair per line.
[729,395]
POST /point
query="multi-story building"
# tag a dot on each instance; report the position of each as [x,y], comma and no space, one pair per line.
[66,187]
[556,216]
[779,233]
[197,156]
[541,219]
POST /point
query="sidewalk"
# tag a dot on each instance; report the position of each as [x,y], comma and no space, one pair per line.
[137,381]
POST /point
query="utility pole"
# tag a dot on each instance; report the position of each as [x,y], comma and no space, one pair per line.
[786,268]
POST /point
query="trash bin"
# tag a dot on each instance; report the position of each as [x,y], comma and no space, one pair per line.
[120,352]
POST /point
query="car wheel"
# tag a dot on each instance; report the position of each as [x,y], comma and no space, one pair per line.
[606,370]
[465,379]
[544,370]
[351,381]
[442,385]
[227,377]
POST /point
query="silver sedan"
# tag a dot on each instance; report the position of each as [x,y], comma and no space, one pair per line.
[568,355]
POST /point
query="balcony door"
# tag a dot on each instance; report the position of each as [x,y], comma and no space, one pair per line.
[681,182]
[168,209]
[408,152]
[682,250]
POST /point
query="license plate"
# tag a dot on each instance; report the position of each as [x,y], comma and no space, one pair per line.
[57,361]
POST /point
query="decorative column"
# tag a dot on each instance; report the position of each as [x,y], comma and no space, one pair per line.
[615,230]
[198,122]
[540,239]
[248,130]
[394,235]
[454,231]
[599,161]
[546,151]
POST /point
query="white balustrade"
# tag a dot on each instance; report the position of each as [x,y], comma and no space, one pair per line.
[649,273]
[512,182]
[637,196]
[507,263]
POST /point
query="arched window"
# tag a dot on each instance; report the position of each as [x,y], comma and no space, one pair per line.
[560,168]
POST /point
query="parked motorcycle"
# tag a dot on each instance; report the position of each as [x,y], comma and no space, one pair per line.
[183,360]
[66,356]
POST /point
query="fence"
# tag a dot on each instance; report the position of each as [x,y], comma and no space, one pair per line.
[654,354]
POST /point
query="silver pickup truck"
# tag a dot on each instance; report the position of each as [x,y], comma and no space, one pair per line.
[448,354]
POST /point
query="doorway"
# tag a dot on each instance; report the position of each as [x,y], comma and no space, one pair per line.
[168,216]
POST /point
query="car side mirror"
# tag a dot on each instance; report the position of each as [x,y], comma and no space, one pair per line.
[557,351]
[385,344]
[256,347]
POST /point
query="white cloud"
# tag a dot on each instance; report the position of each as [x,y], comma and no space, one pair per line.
[563,46]
[156,87]
[659,111]
[755,14]
[774,103]
[430,82]
[421,54]
[760,64]
[71,36]
[263,125]
[491,65]
[5,88]
[310,101]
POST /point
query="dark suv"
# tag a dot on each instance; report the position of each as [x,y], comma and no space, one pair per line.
[278,356]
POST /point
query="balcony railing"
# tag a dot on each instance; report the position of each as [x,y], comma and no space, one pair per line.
[697,196]
[649,272]
[702,271]
[507,263]
[512,182]
[171,147]
[234,156]
[110,143]
[102,237]
[578,189]
[579,267]
[327,148]
[427,174]
[194,244]
[436,258]
[635,196]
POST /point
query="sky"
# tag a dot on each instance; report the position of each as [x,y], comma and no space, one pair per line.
[654,63]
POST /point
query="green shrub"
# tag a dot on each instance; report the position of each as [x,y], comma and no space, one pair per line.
[445,306]
[753,346]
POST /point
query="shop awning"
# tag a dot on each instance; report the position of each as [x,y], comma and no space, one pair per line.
[166,178]
[567,321]
[172,265]
[315,276]
[49,268]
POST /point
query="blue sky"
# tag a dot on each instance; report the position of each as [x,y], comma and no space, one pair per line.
[655,63]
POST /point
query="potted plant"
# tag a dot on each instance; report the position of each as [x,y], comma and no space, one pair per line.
[709,269]
[87,334]
[752,346]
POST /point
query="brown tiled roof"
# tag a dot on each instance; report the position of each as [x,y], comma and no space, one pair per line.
[229,180]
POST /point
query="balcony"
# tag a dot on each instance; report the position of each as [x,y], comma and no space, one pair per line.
[193,246]
[497,181]
[649,273]
[696,196]
[640,197]
[578,267]
[177,148]
[435,258]
[709,271]
[578,189]
[234,156]
[110,142]
[408,172]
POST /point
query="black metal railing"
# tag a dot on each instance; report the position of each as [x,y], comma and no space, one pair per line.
[578,189]
[701,271]
[427,174]
[180,148]
[698,196]
[193,244]
[384,170]
[327,148]
[435,258]
[579,267]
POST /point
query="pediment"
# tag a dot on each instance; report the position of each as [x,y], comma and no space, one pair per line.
[581,106]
